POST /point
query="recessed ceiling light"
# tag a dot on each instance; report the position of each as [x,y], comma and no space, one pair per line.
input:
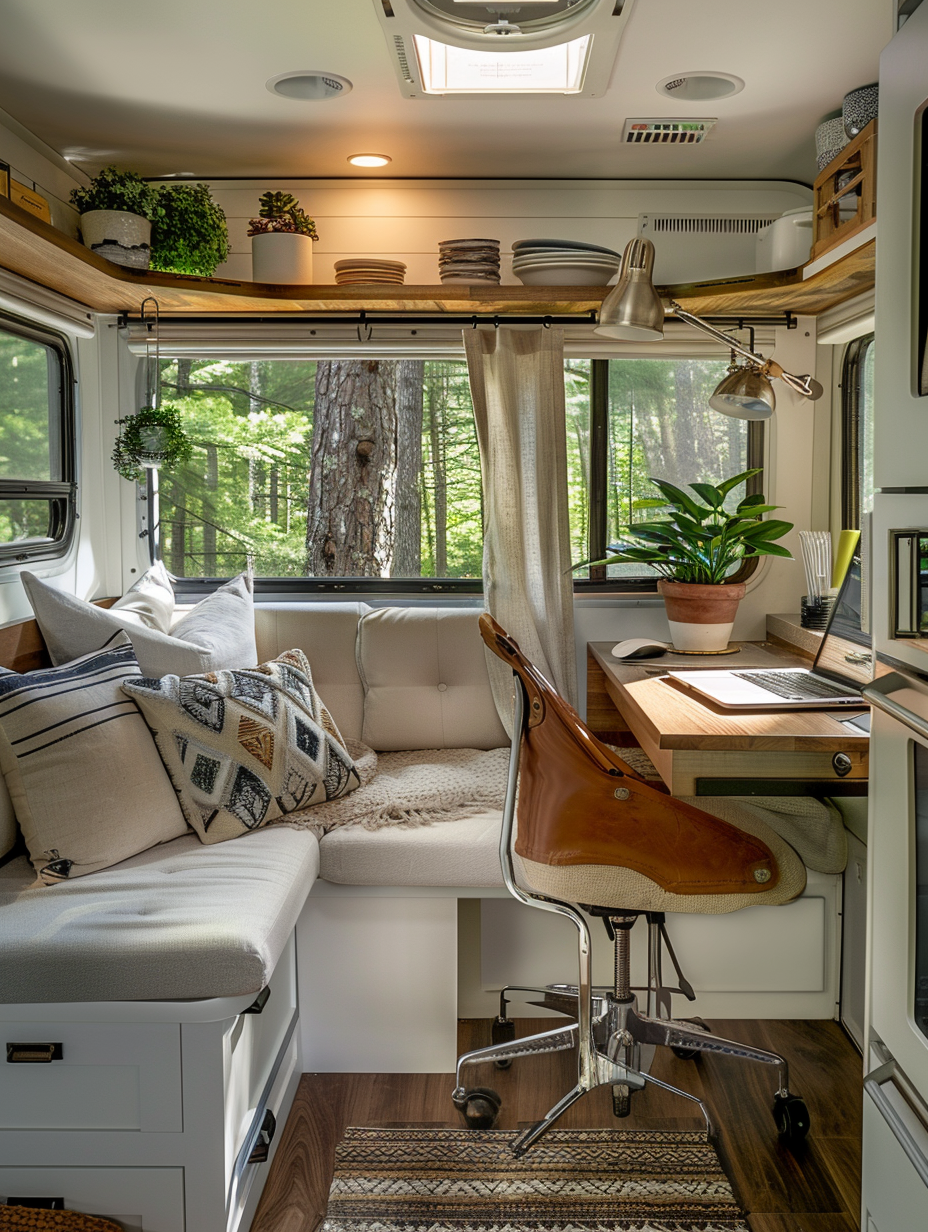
[700,87]
[309,86]
[369,160]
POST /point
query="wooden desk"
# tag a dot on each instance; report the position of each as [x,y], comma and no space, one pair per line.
[701,750]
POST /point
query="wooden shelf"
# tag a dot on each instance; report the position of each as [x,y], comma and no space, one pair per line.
[39,252]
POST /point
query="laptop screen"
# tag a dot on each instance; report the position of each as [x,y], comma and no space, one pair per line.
[845,652]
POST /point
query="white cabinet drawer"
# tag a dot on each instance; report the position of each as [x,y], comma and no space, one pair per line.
[138,1199]
[109,1076]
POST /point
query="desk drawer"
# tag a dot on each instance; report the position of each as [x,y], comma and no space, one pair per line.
[138,1199]
[108,1076]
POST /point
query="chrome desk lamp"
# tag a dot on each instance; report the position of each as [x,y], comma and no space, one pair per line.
[633,310]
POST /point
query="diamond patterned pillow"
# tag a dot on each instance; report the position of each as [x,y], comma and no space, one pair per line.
[245,747]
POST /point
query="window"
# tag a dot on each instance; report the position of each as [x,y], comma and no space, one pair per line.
[857,435]
[37,490]
[403,493]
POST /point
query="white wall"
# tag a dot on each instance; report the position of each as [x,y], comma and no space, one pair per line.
[38,166]
[405,220]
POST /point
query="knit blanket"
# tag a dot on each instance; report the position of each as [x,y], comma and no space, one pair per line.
[411,789]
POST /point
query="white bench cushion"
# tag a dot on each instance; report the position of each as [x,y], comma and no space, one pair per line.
[448,853]
[178,921]
[326,633]
[425,680]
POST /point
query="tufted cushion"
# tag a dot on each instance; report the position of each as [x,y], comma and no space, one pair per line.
[180,921]
[326,633]
[425,681]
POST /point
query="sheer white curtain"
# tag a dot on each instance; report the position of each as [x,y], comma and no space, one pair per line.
[517,386]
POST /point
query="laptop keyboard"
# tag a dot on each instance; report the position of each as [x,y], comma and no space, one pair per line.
[796,688]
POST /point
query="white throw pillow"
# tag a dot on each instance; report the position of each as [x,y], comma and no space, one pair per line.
[218,633]
[82,769]
[150,601]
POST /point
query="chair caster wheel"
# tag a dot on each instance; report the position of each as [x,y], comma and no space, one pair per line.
[792,1118]
[504,1032]
[479,1108]
[690,1054]
[621,1101]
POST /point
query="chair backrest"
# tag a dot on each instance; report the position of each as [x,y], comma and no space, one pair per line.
[579,803]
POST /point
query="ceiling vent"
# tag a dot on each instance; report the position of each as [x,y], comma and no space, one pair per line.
[473,47]
[667,132]
[653,225]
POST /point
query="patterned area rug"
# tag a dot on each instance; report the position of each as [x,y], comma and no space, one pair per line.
[573,1180]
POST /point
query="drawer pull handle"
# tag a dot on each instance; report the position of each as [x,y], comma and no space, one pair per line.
[33,1054]
[38,1204]
[261,1148]
[259,1002]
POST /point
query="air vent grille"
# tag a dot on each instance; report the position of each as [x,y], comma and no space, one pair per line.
[678,224]
[399,46]
[666,132]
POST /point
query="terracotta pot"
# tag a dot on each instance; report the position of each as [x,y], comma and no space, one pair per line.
[282,257]
[700,617]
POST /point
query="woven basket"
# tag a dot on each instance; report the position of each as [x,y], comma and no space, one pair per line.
[28,1219]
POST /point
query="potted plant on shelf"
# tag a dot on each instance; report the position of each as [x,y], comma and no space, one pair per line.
[190,235]
[151,439]
[282,240]
[117,210]
[695,546]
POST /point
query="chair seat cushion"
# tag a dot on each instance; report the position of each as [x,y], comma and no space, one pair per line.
[602,885]
[179,921]
[447,853]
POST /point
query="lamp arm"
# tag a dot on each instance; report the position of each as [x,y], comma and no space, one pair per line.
[807,386]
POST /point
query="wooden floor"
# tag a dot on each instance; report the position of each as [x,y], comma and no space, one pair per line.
[814,1189]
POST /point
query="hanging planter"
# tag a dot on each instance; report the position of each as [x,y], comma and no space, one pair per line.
[153,438]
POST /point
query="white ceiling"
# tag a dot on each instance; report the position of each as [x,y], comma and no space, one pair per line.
[178,86]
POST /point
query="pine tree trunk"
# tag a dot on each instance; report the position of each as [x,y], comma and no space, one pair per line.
[437,446]
[407,553]
[349,526]
[178,525]
[210,564]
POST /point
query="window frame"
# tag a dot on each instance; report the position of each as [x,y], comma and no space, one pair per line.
[851,385]
[60,494]
[596,584]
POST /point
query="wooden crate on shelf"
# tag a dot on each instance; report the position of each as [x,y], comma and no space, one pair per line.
[856,167]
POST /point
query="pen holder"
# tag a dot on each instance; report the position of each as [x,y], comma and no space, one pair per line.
[814,613]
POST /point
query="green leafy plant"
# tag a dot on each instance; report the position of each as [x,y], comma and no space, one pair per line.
[113,189]
[190,236]
[699,540]
[153,436]
[281,211]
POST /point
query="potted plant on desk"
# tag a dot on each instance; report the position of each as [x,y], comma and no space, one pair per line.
[695,545]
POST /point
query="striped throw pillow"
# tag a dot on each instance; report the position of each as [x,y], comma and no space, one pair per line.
[84,775]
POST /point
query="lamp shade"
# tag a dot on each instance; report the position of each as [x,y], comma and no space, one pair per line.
[633,309]
[745,393]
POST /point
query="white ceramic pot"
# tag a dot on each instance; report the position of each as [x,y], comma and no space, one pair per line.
[282,257]
[118,235]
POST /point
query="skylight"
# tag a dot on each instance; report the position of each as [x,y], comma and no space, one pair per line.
[543,70]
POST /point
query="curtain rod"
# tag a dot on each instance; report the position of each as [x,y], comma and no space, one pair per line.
[439,318]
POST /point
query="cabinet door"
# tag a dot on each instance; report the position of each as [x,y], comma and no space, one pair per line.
[138,1199]
[854,939]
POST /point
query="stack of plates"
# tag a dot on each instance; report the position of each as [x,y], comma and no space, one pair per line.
[563,263]
[468,261]
[366,269]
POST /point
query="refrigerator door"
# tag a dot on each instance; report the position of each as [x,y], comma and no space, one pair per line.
[895,1155]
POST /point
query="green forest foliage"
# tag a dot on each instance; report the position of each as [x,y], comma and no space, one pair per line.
[243,495]
[28,389]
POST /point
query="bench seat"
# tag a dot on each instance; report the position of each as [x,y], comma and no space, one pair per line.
[179,921]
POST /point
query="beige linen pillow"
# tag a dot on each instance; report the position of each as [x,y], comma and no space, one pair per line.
[244,748]
[84,776]
[218,633]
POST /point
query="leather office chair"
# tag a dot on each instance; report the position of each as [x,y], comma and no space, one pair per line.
[593,834]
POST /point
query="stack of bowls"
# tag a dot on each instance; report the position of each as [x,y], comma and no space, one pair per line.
[563,263]
[859,108]
[830,140]
[469,261]
[367,270]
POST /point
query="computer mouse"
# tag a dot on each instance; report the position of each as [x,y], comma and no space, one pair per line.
[639,648]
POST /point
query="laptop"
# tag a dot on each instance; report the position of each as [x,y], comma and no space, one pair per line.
[843,664]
